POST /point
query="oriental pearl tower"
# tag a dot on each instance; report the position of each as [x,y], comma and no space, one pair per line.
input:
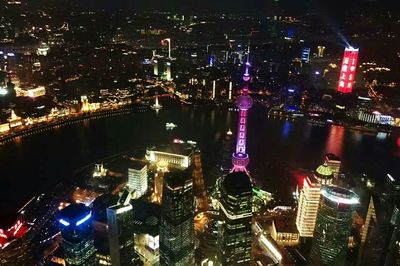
[240,159]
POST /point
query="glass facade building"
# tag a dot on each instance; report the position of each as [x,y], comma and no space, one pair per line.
[333,226]
[235,229]
[177,220]
[121,236]
[75,223]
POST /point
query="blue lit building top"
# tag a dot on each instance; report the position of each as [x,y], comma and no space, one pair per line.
[74,215]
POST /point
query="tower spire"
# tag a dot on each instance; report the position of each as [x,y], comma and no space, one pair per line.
[240,159]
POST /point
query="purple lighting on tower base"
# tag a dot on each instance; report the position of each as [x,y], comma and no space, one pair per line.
[240,159]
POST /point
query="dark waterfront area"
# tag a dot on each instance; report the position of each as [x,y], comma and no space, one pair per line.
[36,163]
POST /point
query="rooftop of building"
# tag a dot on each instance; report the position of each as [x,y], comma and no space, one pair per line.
[324,171]
[100,205]
[285,224]
[332,157]
[122,164]
[146,216]
[74,211]
[177,178]
[340,195]
[174,148]
[237,183]
[135,164]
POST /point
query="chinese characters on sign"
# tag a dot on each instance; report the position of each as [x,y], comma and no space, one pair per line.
[348,70]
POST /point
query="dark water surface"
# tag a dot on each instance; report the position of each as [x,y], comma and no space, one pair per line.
[37,163]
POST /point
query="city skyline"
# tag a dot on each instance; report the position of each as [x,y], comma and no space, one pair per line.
[199,133]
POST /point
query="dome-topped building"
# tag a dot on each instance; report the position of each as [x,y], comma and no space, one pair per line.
[43,49]
[324,175]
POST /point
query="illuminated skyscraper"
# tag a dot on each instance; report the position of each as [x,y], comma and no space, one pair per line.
[348,70]
[137,178]
[333,226]
[235,230]
[121,235]
[177,220]
[240,159]
[308,207]
[77,235]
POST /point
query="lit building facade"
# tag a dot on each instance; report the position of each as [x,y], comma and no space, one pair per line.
[137,178]
[348,70]
[178,155]
[30,91]
[177,220]
[121,235]
[284,231]
[308,207]
[324,175]
[235,229]
[75,222]
[146,221]
[334,164]
[155,67]
[333,227]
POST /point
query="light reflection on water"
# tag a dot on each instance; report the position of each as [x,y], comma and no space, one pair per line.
[41,161]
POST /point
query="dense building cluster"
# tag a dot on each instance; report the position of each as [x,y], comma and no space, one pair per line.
[69,63]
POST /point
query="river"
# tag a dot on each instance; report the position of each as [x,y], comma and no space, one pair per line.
[36,163]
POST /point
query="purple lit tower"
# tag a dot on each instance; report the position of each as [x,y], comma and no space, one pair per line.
[240,159]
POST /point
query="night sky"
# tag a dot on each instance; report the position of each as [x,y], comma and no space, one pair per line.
[335,7]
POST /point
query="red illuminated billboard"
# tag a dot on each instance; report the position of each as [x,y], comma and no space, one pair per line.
[348,70]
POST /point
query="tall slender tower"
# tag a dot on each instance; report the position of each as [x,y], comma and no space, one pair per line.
[240,159]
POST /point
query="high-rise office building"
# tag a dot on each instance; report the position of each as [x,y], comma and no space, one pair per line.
[235,230]
[348,70]
[333,226]
[390,222]
[177,220]
[77,235]
[137,178]
[121,235]
[308,207]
